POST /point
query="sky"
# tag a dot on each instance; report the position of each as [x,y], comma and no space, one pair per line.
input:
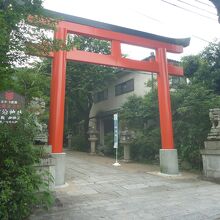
[196,19]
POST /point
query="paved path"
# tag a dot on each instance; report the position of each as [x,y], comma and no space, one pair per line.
[97,190]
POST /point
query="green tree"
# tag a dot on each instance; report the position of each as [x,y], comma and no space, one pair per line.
[190,107]
[191,101]
[21,186]
[190,111]
[141,115]
[138,112]
[31,82]
[14,32]
[83,80]
[205,67]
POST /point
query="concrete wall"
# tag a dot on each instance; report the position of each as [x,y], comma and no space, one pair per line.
[115,102]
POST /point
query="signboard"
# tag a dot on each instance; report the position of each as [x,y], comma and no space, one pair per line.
[116,130]
[11,105]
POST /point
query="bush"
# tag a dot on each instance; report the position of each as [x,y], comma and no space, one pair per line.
[79,143]
[146,145]
[141,115]
[107,149]
[21,187]
[191,104]
[190,110]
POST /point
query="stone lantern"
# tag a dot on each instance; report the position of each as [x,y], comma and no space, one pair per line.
[126,137]
[92,138]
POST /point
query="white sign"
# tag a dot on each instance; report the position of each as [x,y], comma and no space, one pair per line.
[116,130]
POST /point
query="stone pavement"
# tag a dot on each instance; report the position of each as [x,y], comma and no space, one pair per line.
[97,190]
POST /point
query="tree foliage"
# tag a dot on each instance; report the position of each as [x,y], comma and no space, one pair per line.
[14,33]
[31,82]
[140,114]
[19,181]
[204,68]
[21,187]
[191,101]
[21,37]
[83,80]
[191,104]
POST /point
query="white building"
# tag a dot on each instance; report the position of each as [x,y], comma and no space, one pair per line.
[108,101]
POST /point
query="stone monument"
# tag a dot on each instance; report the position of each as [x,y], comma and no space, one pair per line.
[126,137]
[211,153]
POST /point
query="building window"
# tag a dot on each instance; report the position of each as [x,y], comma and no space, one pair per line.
[124,87]
[101,96]
[176,81]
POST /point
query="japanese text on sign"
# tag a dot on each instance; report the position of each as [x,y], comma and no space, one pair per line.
[11,105]
[116,130]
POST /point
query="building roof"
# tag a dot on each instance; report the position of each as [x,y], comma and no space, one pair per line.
[83,21]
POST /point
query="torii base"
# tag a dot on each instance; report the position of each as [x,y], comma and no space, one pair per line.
[60,168]
[169,161]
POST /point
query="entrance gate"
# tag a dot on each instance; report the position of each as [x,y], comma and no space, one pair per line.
[116,35]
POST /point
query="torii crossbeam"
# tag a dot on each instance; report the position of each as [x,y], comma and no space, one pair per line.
[116,35]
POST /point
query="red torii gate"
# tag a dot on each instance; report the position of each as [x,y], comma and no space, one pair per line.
[117,35]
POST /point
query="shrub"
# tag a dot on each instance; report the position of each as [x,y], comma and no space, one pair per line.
[79,142]
[191,104]
[108,148]
[190,111]
[141,115]
[146,145]
[21,187]
[109,142]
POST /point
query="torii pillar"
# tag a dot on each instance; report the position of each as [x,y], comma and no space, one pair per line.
[168,155]
[57,98]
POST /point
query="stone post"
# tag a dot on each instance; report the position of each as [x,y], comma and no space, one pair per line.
[127,157]
[125,139]
[93,138]
[211,153]
[46,165]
